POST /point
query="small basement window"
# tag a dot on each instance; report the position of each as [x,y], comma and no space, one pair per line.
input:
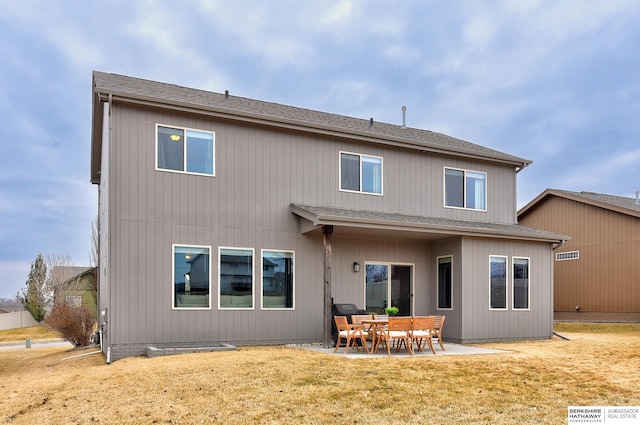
[569,255]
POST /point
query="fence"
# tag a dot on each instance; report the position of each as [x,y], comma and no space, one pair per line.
[17,319]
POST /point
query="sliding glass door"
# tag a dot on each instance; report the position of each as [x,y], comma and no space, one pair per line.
[387,285]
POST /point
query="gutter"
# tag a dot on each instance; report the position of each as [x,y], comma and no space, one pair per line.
[461,229]
[296,125]
[522,167]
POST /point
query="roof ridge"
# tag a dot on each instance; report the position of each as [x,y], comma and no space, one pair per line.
[277,113]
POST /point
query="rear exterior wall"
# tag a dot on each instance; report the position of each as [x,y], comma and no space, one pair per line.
[480,323]
[258,174]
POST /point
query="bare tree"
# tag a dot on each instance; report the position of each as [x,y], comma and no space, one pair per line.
[57,275]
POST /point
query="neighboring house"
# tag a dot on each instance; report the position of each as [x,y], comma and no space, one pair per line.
[77,286]
[597,272]
[230,220]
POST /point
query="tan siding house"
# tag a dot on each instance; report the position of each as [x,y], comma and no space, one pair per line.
[231,220]
[597,272]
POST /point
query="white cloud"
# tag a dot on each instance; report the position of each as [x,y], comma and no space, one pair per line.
[339,13]
[548,81]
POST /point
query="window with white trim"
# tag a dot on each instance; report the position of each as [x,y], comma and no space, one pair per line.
[569,255]
[185,150]
[360,173]
[73,300]
[278,281]
[498,282]
[521,288]
[465,189]
[236,278]
[191,277]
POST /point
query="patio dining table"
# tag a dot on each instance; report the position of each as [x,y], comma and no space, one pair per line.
[374,326]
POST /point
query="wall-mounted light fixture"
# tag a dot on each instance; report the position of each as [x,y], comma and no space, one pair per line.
[356,267]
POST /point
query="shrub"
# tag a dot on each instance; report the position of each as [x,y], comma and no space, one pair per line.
[75,324]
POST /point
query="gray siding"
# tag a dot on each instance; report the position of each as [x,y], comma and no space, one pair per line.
[259,172]
[453,323]
[479,323]
[349,287]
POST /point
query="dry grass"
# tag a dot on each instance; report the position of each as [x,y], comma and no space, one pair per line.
[535,383]
[34,332]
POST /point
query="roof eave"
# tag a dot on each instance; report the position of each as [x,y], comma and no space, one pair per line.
[297,125]
[319,220]
[581,199]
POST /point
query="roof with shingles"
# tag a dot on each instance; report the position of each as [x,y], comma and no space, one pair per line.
[615,203]
[66,273]
[136,90]
[321,216]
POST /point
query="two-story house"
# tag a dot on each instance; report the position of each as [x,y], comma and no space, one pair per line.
[231,220]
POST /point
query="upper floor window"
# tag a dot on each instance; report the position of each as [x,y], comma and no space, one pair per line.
[360,173]
[465,189]
[185,150]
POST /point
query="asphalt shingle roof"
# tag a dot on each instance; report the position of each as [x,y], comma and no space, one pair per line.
[172,95]
[616,201]
[321,215]
[619,204]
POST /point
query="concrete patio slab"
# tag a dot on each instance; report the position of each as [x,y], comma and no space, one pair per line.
[450,350]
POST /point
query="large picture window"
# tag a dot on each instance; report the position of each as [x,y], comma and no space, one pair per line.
[191,277]
[465,189]
[498,282]
[277,279]
[185,150]
[520,283]
[360,173]
[236,278]
[444,283]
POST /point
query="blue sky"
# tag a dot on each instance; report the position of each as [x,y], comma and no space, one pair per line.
[551,81]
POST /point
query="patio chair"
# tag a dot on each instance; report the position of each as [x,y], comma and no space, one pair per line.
[367,330]
[399,329]
[349,332]
[438,323]
[422,332]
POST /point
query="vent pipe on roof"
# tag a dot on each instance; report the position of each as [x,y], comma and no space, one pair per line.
[226,94]
[370,122]
[404,116]
[637,197]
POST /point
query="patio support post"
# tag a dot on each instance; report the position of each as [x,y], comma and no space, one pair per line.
[327,231]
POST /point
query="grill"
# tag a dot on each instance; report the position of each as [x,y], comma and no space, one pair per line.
[342,310]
